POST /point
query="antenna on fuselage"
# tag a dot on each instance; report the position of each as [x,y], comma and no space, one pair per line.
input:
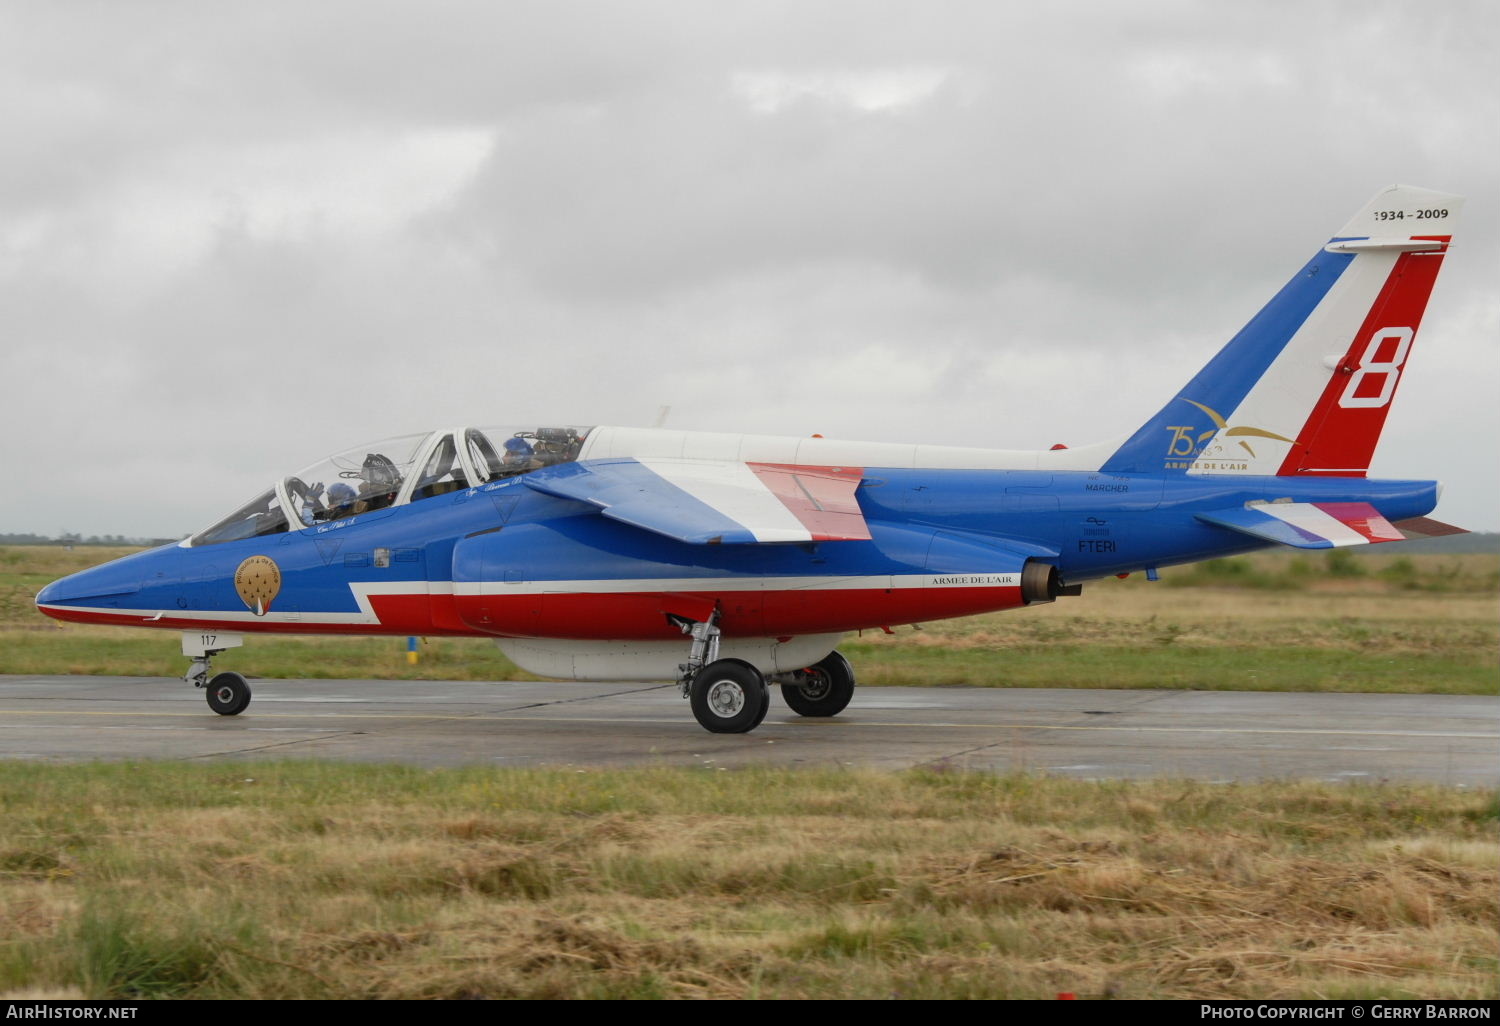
[661,416]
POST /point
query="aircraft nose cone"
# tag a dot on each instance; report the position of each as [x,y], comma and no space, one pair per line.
[81,589]
[55,598]
[100,586]
[75,588]
[49,594]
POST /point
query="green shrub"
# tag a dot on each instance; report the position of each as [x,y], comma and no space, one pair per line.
[1343,563]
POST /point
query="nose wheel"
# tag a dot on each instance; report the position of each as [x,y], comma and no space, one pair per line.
[228,694]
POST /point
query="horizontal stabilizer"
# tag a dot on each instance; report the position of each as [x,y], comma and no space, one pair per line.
[1308,525]
[1399,244]
[706,502]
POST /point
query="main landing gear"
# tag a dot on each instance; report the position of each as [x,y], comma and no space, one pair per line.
[823,689]
[228,693]
[729,696]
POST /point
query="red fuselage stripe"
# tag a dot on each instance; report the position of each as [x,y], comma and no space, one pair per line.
[620,616]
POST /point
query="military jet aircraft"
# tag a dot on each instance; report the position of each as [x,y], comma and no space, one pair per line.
[727,562]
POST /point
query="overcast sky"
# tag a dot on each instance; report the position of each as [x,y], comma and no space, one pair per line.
[236,237]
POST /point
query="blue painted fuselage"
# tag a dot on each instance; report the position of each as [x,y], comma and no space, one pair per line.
[507,559]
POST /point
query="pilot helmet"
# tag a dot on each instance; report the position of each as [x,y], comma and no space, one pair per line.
[380,473]
[340,494]
[517,447]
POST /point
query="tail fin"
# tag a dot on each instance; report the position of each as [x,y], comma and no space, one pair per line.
[1304,388]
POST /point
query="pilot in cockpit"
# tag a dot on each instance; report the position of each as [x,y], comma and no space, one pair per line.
[519,457]
[340,502]
[379,483]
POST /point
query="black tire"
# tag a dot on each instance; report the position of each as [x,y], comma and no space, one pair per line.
[228,694]
[765,705]
[729,697]
[823,689]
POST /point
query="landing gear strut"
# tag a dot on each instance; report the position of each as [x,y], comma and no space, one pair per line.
[228,693]
[728,696]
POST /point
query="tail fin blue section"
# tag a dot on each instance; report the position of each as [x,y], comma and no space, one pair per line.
[1305,386]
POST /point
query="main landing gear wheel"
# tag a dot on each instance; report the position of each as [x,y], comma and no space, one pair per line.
[823,689]
[228,694]
[729,697]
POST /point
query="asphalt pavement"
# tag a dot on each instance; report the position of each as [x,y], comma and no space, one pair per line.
[1206,735]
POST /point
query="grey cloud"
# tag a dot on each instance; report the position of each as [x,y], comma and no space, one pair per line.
[214,266]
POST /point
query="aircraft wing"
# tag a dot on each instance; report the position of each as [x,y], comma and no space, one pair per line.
[1308,525]
[708,502]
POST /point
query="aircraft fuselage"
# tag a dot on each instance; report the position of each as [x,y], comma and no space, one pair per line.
[505,560]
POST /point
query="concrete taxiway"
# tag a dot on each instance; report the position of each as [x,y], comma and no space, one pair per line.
[1220,735]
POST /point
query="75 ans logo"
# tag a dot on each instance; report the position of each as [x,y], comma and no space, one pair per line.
[1188,442]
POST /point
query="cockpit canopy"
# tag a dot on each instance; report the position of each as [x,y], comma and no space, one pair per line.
[395,472]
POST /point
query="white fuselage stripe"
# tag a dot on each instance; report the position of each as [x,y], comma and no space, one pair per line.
[365,616]
[737,584]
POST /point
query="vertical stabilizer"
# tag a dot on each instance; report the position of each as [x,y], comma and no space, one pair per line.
[1305,387]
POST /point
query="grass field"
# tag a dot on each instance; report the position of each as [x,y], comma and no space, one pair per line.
[303,880]
[327,881]
[1342,622]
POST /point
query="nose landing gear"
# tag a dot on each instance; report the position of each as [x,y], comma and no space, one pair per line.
[228,693]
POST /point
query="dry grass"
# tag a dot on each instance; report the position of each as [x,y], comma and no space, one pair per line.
[1369,633]
[1120,613]
[379,882]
